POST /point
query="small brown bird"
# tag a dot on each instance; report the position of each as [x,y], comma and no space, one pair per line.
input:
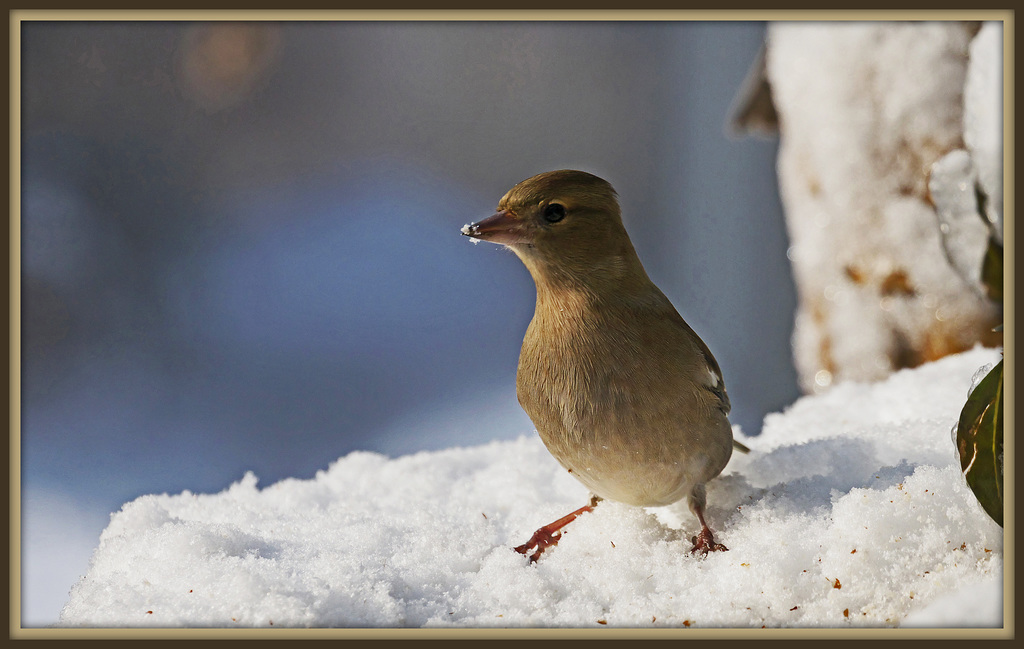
[622,391]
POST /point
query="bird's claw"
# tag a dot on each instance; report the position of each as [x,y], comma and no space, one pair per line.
[704,542]
[549,534]
[540,540]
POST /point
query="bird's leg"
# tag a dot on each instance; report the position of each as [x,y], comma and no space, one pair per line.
[704,541]
[551,533]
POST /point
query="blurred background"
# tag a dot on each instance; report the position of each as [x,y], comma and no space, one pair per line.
[241,249]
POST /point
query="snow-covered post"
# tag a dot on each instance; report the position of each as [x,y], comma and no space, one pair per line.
[865,111]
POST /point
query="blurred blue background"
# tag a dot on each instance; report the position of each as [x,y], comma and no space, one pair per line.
[241,249]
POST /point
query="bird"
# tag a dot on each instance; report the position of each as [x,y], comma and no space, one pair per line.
[622,391]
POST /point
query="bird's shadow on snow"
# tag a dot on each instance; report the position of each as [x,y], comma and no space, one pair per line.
[803,478]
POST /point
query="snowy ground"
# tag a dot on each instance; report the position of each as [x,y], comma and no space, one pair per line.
[849,512]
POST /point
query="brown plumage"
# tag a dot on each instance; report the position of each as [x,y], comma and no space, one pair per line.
[622,391]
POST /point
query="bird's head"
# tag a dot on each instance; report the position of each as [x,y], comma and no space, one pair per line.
[561,224]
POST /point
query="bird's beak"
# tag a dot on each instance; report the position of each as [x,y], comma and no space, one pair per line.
[503,228]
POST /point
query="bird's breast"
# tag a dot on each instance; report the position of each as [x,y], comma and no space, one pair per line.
[612,405]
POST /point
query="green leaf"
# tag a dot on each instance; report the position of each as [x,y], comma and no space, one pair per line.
[979,440]
[992,270]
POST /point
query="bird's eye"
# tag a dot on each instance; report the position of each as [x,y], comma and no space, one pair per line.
[554,212]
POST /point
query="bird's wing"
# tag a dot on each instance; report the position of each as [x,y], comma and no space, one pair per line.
[716,384]
[713,378]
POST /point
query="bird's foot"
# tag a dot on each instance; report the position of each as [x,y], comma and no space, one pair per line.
[704,542]
[540,540]
[549,535]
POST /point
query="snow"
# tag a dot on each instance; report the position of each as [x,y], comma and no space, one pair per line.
[865,111]
[964,234]
[978,604]
[850,511]
[983,115]
[951,185]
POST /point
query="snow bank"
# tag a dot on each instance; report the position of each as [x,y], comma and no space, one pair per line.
[865,111]
[850,511]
